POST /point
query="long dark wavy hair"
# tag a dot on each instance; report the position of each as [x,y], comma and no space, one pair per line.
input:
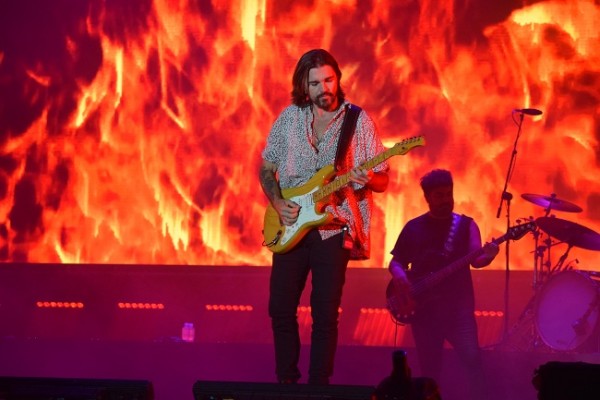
[313,59]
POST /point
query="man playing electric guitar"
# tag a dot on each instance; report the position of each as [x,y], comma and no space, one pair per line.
[427,244]
[303,140]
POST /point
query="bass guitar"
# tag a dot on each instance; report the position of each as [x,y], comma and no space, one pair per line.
[312,198]
[403,300]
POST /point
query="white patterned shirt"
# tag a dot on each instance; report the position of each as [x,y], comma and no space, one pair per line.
[293,148]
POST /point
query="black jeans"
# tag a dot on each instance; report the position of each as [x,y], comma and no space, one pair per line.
[327,261]
[459,328]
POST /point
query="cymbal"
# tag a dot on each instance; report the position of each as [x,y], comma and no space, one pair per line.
[551,202]
[570,232]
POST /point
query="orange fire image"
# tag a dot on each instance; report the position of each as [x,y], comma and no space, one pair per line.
[132,130]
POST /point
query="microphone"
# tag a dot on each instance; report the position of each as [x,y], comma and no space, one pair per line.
[528,111]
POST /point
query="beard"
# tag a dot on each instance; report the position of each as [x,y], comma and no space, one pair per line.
[326,101]
[442,210]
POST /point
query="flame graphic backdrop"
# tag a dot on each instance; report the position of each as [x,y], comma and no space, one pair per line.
[131,131]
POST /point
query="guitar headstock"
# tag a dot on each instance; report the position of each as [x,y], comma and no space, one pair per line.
[406,145]
[517,232]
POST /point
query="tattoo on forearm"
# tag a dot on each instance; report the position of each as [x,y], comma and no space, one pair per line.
[269,183]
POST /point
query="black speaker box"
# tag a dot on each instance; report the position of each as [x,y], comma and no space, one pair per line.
[213,390]
[14,388]
[567,381]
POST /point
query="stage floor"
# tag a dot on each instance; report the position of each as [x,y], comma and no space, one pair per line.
[173,367]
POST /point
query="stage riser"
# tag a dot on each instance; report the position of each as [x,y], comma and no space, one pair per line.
[101,340]
[189,294]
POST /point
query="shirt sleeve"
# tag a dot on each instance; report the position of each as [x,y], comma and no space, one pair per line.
[276,145]
[402,251]
[369,142]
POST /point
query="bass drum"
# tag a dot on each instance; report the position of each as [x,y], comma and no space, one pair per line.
[567,310]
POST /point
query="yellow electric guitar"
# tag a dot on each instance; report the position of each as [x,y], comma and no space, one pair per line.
[312,198]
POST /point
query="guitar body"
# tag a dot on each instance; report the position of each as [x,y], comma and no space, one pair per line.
[405,301]
[401,302]
[283,238]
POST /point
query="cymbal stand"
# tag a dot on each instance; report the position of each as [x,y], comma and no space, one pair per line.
[540,267]
[538,258]
[548,264]
[523,335]
[541,258]
[559,265]
[546,270]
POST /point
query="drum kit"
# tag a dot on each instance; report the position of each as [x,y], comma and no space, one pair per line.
[566,302]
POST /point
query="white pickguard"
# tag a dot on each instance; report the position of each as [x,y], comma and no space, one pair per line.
[308,216]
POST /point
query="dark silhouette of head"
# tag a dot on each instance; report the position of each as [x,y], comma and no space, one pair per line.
[438,189]
[436,179]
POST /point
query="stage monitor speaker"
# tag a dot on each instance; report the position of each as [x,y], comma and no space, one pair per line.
[567,381]
[213,390]
[17,388]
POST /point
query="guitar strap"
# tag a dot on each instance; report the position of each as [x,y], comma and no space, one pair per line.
[348,126]
[341,157]
[449,245]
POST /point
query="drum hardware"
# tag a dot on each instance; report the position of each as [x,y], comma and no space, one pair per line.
[567,305]
[549,203]
[541,250]
[542,267]
[539,253]
[592,274]
[571,318]
[564,310]
[570,232]
[561,261]
[582,325]
[541,256]
[542,260]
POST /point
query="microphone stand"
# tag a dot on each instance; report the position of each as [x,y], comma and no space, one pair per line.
[506,196]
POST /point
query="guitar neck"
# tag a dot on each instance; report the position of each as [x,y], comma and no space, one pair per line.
[439,276]
[343,180]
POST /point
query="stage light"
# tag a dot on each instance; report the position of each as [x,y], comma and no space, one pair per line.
[141,306]
[59,304]
[228,307]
